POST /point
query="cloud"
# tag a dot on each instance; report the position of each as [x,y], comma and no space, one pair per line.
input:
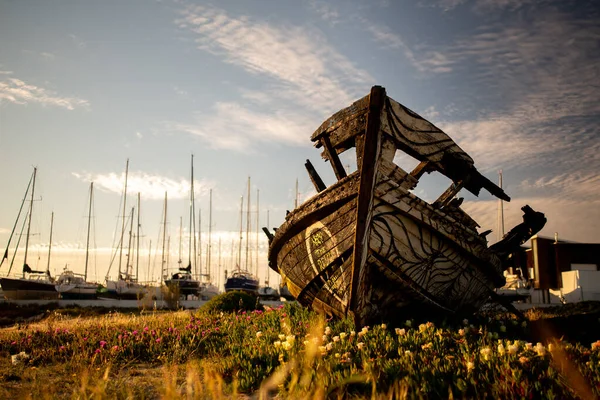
[325,11]
[6,72]
[575,220]
[139,135]
[235,127]
[149,186]
[426,61]
[300,61]
[78,42]
[18,92]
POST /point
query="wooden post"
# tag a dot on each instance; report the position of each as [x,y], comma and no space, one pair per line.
[332,155]
[314,177]
[368,172]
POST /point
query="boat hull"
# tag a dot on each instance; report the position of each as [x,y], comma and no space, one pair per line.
[78,292]
[415,255]
[185,287]
[241,284]
[25,289]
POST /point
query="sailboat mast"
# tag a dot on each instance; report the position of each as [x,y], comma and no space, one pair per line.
[29,222]
[124,208]
[162,265]
[192,220]
[137,252]
[209,234]
[50,244]
[296,195]
[149,258]
[219,264]
[239,264]
[180,231]
[268,227]
[87,241]
[129,258]
[500,210]
[257,223]
[5,257]
[199,255]
[248,225]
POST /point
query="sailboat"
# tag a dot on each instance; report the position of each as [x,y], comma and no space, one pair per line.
[243,280]
[208,290]
[183,281]
[33,284]
[71,285]
[126,287]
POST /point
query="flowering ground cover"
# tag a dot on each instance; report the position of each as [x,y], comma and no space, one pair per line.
[290,352]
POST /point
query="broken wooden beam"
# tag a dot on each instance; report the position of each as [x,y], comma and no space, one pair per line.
[333,157]
[314,177]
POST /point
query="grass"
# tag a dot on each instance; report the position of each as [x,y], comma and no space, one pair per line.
[290,352]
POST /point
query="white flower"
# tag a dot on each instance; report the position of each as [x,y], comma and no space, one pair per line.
[528,346]
[461,332]
[540,349]
[323,349]
[325,338]
[336,338]
[408,352]
[329,346]
[513,348]
[19,358]
[400,331]
[485,352]
[365,330]
[501,349]
[352,333]
[360,345]
[258,334]
[327,330]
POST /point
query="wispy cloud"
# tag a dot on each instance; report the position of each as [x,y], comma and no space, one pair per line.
[18,92]
[306,79]
[425,61]
[78,42]
[572,219]
[152,187]
[241,129]
[299,59]
[325,10]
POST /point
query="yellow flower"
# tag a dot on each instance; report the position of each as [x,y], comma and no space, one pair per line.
[470,365]
[343,335]
[501,349]
[400,331]
[360,345]
[286,345]
[383,326]
[258,334]
[485,352]
[281,336]
[427,346]
[277,343]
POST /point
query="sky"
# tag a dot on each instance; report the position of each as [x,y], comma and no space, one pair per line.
[241,86]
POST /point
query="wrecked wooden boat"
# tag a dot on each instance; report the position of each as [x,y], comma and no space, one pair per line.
[368,247]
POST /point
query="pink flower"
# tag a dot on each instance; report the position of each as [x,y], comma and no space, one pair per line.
[134,333]
[102,343]
[158,340]
[85,339]
[98,351]
[146,329]
[115,348]
[13,343]
[61,348]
